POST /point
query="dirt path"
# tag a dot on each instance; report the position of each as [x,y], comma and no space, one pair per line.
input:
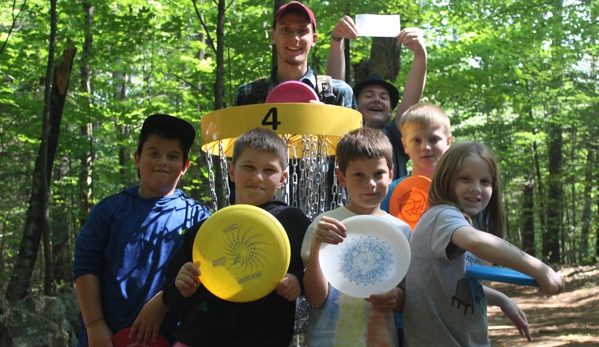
[568,319]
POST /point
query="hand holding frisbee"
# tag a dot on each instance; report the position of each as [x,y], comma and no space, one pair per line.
[409,199]
[500,274]
[242,252]
[372,259]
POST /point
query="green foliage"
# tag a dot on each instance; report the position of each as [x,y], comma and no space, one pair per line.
[506,71]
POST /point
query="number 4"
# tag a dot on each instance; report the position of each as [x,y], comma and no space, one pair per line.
[274,122]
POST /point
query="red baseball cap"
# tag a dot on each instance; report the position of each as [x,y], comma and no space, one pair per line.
[298,5]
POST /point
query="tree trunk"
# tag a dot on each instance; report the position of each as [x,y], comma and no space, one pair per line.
[586,217]
[6,339]
[528,219]
[555,191]
[220,173]
[385,60]
[596,226]
[555,195]
[85,175]
[60,217]
[120,93]
[195,170]
[36,224]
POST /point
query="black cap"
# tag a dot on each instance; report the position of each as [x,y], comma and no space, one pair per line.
[169,126]
[378,80]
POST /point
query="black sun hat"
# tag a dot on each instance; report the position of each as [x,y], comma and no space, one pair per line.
[378,80]
[172,127]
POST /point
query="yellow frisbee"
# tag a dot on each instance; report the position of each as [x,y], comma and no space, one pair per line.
[242,252]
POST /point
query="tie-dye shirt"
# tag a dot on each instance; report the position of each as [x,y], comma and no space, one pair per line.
[346,320]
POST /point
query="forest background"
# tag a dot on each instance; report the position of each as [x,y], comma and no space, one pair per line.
[77,79]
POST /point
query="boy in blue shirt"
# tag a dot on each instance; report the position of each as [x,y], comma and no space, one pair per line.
[258,170]
[128,239]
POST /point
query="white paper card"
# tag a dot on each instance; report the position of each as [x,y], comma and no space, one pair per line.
[378,25]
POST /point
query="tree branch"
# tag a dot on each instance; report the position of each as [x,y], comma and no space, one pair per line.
[210,41]
[14,22]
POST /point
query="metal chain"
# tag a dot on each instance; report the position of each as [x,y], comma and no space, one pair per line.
[211,180]
[315,175]
[323,166]
[294,176]
[308,181]
[336,190]
[283,192]
[224,172]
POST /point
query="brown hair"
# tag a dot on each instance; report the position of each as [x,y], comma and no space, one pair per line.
[492,218]
[366,143]
[261,140]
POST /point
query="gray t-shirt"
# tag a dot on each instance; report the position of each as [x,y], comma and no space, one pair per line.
[442,307]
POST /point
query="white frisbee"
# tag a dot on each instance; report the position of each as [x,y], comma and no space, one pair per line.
[372,259]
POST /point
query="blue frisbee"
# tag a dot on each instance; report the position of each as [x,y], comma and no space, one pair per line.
[500,274]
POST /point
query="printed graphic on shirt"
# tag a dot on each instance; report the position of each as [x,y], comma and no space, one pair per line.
[469,292]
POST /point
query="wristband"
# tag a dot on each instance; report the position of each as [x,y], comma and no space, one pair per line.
[94,322]
[338,39]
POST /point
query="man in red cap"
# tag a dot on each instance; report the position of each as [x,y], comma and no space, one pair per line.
[293,34]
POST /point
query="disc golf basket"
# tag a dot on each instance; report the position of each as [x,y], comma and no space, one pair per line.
[311,132]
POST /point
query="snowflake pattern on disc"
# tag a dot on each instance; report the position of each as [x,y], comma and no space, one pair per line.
[365,260]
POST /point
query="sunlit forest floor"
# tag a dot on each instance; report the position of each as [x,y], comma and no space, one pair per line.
[568,319]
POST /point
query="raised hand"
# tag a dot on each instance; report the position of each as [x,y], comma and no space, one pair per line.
[345,28]
[329,230]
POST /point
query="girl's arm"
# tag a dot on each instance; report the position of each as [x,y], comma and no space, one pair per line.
[498,251]
[509,308]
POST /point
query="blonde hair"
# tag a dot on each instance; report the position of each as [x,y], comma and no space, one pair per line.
[363,143]
[425,115]
[442,189]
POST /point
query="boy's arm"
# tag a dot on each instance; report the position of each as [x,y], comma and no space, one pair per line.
[148,321]
[316,285]
[90,305]
[498,251]
[328,230]
[412,92]
[344,29]
[509,308]
[295,223]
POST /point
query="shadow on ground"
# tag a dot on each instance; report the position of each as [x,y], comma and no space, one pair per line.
[568,319]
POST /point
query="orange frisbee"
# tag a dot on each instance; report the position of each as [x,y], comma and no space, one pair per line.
[409,199]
